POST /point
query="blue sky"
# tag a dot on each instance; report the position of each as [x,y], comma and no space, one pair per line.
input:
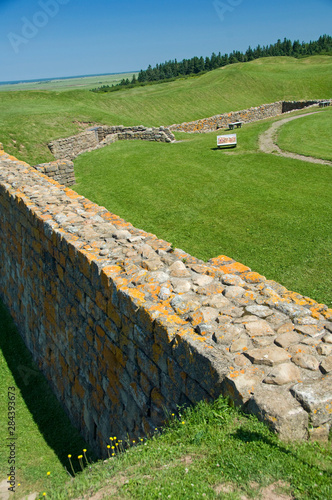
[52,38]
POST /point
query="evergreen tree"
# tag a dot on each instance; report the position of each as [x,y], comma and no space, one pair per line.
[196,65]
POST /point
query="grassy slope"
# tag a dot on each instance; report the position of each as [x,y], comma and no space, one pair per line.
[33,119]
[310,136]
[273,214]
[212,451]
[234,87]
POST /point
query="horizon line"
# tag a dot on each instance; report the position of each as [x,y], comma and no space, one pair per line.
[35,80]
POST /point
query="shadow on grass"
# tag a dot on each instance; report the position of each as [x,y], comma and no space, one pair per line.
[247,436]
[227,148]
[52,421]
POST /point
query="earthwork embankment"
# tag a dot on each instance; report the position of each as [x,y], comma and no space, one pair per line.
[246,116]
[125,327]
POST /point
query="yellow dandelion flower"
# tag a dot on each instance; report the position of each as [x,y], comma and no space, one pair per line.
[48,473]
[69,456]
[84,451]
[108,446]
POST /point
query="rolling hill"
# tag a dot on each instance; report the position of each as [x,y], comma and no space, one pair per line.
[29,120]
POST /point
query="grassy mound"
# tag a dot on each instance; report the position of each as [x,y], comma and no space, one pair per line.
[310,136]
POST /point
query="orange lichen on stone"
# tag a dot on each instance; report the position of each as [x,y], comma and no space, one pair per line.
[315,312]
[111,270]
[196,318]
[71,194]
[175,319]
[252,277]
[327,313]
[236,267]
[297,298]
[249,295]
[220,260]
[134,293]
[151,288]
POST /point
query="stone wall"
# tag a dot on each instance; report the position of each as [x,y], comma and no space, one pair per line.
[125,327]
[69,147]
[246,116]
[98,137]
[61,171]
[288,106]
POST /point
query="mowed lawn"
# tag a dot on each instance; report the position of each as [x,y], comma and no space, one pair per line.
[273,214]
[310,136]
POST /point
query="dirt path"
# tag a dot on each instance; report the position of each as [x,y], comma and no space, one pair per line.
[268,145]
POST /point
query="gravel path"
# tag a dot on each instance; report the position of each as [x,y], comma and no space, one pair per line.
[267,142]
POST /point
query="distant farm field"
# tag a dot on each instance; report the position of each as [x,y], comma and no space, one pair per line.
[80,82]
[310,136]
[29,120]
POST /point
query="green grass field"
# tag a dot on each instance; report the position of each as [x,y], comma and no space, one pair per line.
[84,82]
[30,120]
[310,136]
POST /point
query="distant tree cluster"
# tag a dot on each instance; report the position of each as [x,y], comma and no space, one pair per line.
[173,69]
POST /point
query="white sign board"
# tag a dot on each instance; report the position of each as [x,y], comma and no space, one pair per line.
[227,140]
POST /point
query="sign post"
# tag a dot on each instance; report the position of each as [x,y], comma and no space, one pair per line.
[226,140]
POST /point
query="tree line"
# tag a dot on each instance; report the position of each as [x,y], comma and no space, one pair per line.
[171,70]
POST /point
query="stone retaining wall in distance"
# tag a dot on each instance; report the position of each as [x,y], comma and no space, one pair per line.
[125,327]
[100,136]
[246,116]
